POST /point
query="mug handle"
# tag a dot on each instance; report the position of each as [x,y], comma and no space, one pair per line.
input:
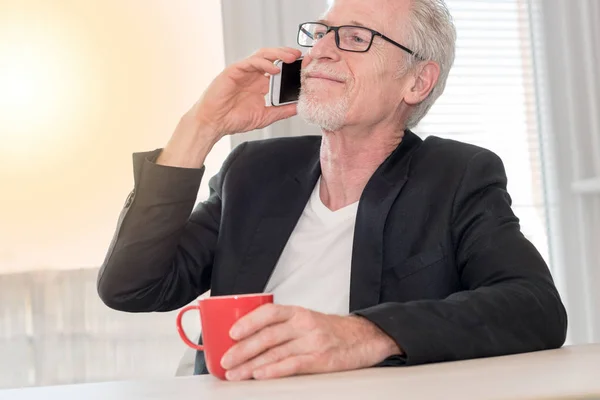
[182,334]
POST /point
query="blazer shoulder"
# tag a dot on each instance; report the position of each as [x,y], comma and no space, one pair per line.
[444,152]
[445,160]
[452,147]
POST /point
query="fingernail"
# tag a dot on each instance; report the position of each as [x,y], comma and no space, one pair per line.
[258,374]
[233,375]
[234,333]
[226,361]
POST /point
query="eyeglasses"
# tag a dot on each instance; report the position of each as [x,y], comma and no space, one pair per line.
[353,38]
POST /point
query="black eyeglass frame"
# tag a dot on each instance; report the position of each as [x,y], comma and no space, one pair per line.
[336,29]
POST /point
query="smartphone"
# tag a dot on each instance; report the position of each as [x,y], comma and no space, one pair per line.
[285,86]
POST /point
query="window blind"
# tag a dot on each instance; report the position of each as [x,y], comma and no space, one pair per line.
[490,101]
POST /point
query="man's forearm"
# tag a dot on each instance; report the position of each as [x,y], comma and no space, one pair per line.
[189,145]
[138,270]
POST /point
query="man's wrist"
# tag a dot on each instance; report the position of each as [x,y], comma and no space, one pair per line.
[189,146]
[382,343]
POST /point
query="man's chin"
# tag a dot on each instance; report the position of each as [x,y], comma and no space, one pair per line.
[316,101]
[323,114]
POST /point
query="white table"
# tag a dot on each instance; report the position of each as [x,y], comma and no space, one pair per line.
[570,372]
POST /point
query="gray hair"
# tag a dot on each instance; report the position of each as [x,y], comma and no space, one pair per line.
[432,36]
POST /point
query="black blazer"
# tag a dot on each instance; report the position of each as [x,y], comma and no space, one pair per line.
[438,261]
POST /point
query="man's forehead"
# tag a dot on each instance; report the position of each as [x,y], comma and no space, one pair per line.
[326,21]
[385,16]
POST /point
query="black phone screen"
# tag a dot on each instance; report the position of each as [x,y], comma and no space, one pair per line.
[290,82]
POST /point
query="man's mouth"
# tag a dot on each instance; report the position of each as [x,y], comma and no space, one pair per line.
[320,75]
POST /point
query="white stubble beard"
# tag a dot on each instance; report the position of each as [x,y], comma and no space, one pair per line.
[329,116]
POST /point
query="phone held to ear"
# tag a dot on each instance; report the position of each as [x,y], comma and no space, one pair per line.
[284,87]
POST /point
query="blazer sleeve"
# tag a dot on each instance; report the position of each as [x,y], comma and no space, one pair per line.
[510,303]
[162,252]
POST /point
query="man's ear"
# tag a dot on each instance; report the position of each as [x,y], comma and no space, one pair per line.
[424,79]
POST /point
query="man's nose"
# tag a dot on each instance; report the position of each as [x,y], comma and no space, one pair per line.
[325,47]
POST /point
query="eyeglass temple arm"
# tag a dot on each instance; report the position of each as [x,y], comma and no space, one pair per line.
[406,49]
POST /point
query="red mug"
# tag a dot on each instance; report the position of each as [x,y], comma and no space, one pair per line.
[217,316]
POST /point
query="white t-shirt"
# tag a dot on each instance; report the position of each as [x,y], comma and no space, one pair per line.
[314,268]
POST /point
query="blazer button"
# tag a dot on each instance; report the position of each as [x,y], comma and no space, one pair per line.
[130,198]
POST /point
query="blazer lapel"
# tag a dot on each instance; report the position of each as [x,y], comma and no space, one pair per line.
[376,201]
[282,212]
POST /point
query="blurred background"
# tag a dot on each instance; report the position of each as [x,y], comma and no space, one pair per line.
[84,84]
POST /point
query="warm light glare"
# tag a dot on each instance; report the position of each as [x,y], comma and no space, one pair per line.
[83,85]
[17,87]
[37,85]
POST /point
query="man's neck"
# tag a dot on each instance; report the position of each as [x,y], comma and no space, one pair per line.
[348,161]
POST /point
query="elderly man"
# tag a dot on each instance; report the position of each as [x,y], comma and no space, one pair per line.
[380,248]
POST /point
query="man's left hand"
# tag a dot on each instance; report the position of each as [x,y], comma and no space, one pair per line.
[276,341]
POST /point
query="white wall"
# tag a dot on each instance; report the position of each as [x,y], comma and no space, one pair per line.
[83,84]
[569,33]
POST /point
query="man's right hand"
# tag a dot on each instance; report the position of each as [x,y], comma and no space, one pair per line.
[233,103]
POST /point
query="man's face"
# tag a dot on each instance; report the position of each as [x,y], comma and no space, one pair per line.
[341,88]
